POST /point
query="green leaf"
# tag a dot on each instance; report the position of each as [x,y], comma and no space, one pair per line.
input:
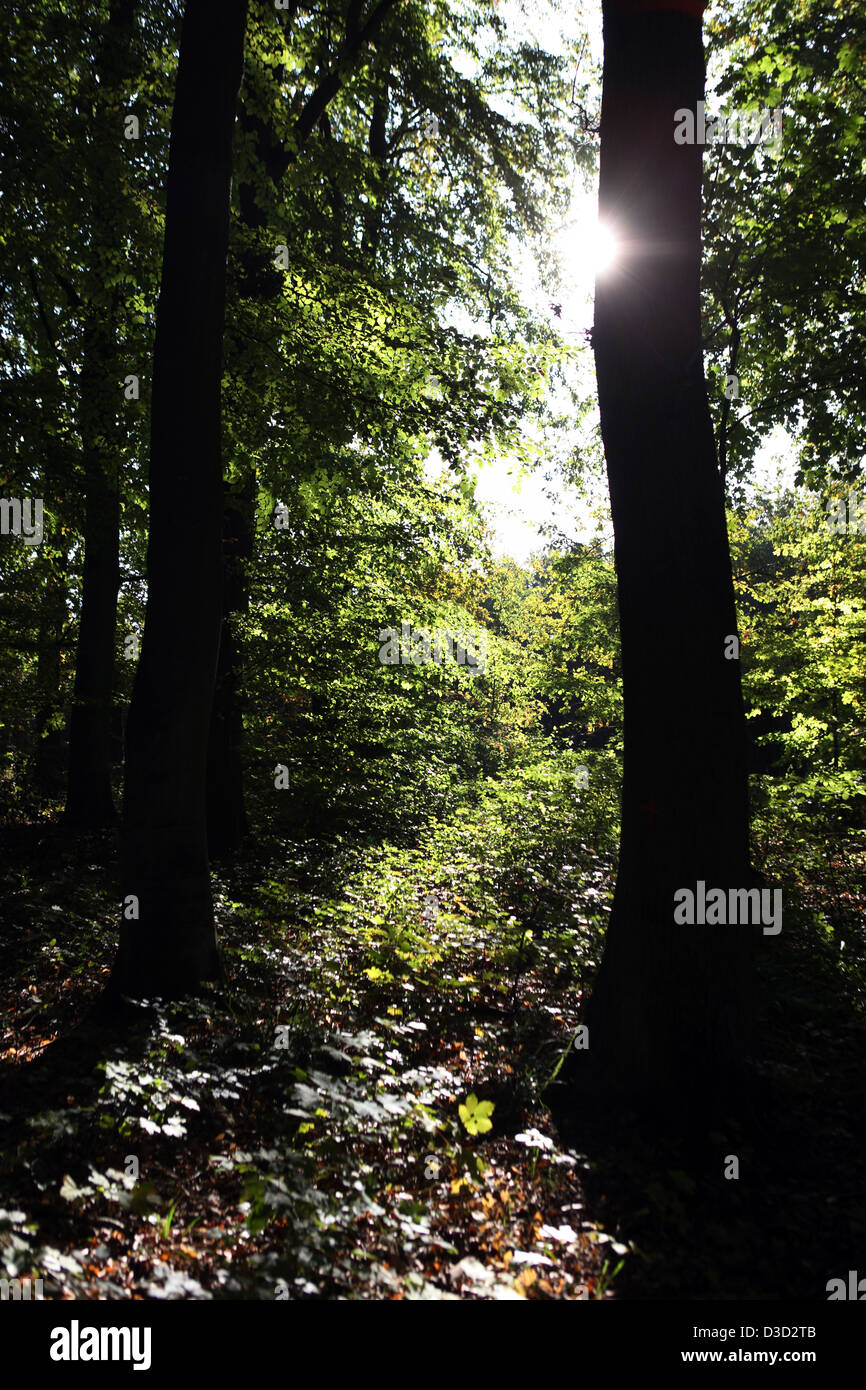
[475,1114]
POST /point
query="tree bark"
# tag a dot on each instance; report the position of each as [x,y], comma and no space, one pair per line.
[171,947]
[227,822]
[48,762]
[671,1008]
[89,801]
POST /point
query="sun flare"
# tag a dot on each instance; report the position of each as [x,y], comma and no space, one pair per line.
[602,247]
[585,249]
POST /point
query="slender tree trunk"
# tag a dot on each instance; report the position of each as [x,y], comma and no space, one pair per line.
[47,759]
[226,814]
[168,939]
[89,801]
[671,1006]
[260,280]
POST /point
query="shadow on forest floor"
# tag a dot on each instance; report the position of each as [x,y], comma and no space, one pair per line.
[796,1215]
[300,1129]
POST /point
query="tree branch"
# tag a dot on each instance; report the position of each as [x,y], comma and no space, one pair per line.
[46,322]
[330,84]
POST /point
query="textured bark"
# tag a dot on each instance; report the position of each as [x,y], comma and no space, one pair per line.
[671,1007]
[171,948]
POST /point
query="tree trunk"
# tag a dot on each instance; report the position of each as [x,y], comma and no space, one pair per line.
[170,947]
[227,821]
[226,814]
[48,761]
[258,280]
[89,802]
[671,1007]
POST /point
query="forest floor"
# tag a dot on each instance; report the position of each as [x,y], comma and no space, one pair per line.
[364,1111]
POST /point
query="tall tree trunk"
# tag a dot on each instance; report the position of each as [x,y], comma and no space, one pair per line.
[259,280]
[170,947]
[227,821]
[226,814]
[89,802]
[47,758]
[671,1006]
